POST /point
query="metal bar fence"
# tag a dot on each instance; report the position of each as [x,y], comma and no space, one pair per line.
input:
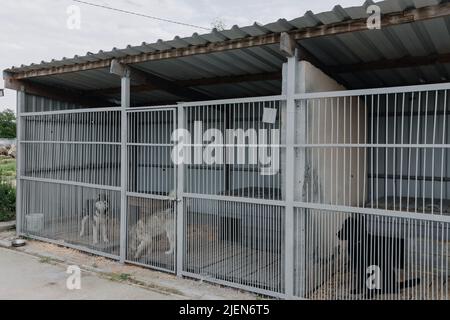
[242,250]
[361,256]
[151,188]
[374,194]
[69,174]
[371,189]
[232,156]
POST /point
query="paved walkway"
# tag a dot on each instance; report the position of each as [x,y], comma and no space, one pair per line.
[27,277]
[38,271]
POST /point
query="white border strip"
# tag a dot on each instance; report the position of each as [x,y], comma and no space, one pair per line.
[368,145]
[70,183]
[149,196]
[363,92]
[376,212]
[69,111]
[72,142]
[235,199]
[155,108]
[231,101]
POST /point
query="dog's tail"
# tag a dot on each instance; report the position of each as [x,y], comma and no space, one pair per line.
[409,283]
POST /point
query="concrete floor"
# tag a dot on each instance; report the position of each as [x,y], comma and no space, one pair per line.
[23,276]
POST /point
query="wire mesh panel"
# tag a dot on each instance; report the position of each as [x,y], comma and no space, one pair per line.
[340,255]
[151,217]
[41,104]
[234,149]
[69,172]
[241,244]
[151,236]
[151,169]
[86,217]
[79,146]
[382,151]
[376,150]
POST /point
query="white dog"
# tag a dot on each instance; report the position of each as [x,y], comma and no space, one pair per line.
[100,220]
[152,226]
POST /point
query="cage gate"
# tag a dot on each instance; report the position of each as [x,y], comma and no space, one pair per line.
[233,214]
[69,175]
[152,212]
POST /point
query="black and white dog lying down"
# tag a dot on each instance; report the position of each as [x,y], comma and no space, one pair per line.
[368,252]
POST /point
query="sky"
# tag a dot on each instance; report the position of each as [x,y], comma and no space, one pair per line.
[33,31]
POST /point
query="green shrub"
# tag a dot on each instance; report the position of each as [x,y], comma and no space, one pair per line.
[7,124]
[7,202]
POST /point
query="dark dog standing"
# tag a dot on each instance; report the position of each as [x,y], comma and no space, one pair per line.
[366,249]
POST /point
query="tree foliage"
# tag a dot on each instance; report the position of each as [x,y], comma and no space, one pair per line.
[7,202]
[7,124]
[219,24]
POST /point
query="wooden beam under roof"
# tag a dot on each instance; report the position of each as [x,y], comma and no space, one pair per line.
[348,26]
[146,78]
[197,82]
[403,62]
[79,97]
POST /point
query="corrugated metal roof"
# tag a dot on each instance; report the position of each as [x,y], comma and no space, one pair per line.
[412,39]
[309,19]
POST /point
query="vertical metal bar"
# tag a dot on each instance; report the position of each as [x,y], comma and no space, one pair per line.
[125,104]
[291,77]
[443,152]
[433,150]
[180,210]
[20,108]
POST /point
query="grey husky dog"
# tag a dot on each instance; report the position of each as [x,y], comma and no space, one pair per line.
[152,226]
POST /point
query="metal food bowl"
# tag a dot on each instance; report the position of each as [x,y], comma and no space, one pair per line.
[18,243]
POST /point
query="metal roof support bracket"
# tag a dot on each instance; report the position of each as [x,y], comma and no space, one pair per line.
[287,44]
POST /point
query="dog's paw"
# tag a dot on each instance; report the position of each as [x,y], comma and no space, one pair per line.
[169,252]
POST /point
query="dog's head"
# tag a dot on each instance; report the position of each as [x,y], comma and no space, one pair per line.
[102,203]
[351,228]
[102,197]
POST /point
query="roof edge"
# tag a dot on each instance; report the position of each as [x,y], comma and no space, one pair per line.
[271,37]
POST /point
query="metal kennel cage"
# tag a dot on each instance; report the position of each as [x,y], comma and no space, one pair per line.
[372,161]
[378,158]
[246,157]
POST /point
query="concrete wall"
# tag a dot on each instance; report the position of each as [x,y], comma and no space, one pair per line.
[332,175]
[325,175]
